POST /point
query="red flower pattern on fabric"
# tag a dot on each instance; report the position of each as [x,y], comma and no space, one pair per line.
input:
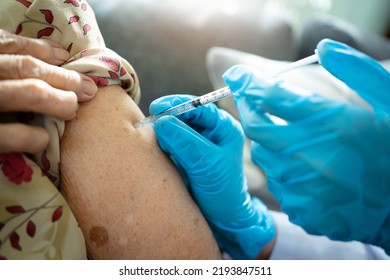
[45,161]
[73,2]
[15,241]
[57,214]
[69,47]
[86,28]
[99,81]
[25,2]
[113,75]
[31,229]
[45,32]
[73,19]
[15,168]
[123,72]
[48,15]
[15,209]
[111,62]
[19,29]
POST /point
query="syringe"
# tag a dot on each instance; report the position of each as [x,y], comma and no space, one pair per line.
[217,95]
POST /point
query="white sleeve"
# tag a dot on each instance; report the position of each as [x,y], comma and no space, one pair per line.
[293,243]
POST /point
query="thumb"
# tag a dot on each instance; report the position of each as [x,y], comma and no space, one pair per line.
[190,149]
[166,102]
[360,72]
[256,93]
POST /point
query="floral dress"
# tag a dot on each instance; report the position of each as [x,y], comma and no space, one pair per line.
[35,220]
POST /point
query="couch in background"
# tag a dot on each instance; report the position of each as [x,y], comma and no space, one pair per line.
[167,41]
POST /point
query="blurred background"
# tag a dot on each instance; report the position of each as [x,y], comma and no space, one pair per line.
[167,40]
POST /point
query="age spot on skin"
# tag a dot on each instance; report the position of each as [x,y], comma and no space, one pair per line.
[98,235]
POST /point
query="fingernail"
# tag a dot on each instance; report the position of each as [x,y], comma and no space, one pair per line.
[61,54]
[88,86]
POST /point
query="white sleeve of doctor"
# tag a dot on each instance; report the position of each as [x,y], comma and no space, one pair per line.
[293,243]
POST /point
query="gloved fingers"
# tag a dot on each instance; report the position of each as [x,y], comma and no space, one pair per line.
[267,160]
[262,93]
[307,173]
[214,124]
[227,131]
[190,149]
[360,72]
[165,102]
[308,178]
[294,201]
[204,117]
[252,114]
[286,138]
[324,217]
[338,162]
[289,170]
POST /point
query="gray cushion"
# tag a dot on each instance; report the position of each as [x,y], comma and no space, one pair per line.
[167,41]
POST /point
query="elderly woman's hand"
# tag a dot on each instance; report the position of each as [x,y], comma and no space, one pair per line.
[31,81]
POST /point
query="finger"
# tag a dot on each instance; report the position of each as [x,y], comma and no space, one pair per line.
[31,95]
[261,129]
[22,138]
[47,51]
[214,124]
[252,116]
[360,72]
[289,170]
[22,67]
[256,93]
[182,142]
[291,137]
[205,116]
[166,102]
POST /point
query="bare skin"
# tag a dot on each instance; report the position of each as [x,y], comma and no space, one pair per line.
[126,194]
[30,82]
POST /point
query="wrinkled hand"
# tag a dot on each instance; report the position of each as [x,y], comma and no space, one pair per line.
[207,144]
[329,165]
[31,81]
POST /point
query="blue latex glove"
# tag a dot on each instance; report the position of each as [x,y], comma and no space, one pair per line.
[329,166]
[209,151]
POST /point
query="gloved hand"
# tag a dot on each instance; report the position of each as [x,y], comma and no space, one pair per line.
[209,151]
[329,165]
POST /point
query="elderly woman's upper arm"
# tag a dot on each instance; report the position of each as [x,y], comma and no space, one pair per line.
[126,194]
